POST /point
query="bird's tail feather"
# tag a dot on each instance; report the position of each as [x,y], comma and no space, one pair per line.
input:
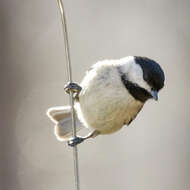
[61,116]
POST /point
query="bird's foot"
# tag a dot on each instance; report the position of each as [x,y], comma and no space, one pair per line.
[72,87]
[75,141]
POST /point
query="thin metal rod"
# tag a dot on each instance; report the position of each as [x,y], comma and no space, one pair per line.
[69,73]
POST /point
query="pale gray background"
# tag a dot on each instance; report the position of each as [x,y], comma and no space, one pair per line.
[153,153]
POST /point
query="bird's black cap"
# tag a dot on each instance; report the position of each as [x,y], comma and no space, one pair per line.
[152,72]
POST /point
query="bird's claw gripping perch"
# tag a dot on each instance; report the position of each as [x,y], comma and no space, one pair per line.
[75,141]
[74,88]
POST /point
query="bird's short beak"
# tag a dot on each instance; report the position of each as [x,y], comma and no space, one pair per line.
[154,94]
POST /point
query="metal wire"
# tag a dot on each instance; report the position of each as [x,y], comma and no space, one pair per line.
[69,74]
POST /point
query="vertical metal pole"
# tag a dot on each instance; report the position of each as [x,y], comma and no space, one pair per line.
[69,73]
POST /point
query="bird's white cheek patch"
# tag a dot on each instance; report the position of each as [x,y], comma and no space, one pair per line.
[135,75]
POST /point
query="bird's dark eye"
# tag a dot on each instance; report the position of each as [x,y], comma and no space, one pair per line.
[155,88]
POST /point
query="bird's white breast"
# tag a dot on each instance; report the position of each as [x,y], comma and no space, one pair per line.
[105,104]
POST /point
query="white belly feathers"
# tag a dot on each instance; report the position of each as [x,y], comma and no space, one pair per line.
[105,103]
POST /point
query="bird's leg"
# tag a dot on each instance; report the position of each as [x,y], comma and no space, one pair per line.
[77,140]
[74,88]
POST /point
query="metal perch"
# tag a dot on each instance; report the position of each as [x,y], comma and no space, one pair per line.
[69,73]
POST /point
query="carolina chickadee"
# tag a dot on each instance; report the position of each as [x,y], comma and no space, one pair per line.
[110,96]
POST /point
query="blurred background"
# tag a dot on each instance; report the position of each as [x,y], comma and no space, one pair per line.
[153,153]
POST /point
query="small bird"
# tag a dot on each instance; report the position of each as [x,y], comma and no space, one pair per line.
[109,97]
